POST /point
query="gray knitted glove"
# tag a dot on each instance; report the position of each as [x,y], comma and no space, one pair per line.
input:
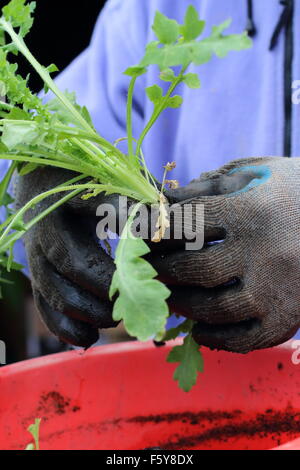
[244,293]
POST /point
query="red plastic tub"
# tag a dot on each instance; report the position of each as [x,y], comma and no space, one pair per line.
[123,397]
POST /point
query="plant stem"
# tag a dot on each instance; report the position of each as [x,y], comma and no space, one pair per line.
[157,111]
[6,180]
[39,161]
[129,117]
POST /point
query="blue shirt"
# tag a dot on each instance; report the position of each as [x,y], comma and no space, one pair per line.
[238,112]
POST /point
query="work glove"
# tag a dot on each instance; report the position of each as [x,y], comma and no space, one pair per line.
[243,292]
[71,273]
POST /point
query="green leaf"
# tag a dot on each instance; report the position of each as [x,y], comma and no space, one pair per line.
[63,114]
[27,168]
[86,114]
[34,430]
[18,114]
[154,93]
[2,38]
[192,27]
[135,71]
[141,303]
[52,68]
[19,13]
[166,30]
[184,327]
[3,89]
[191,362]
[192,80]
[19,225]
[197,52]
[17,90]
[167,75]
[14,265]
[16,133]
[6,199]
[174,102]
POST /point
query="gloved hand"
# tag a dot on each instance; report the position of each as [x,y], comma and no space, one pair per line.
[70,272]
[244,293]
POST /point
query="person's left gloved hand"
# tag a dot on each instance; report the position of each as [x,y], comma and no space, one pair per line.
[244,292]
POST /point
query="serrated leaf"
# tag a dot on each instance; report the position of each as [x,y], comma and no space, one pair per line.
[219,29]
[135,71]
[154,93]
[173,333]
[17,90]
[19,13]
[174,102]
[166,30]
[193,26]
[63,114]
[192,80]
[18,114]
[196,52]
[191,363]
[141,302]
[167,75]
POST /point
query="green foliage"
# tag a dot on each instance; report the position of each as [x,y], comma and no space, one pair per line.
[15,133]
[61,134]
[187,50]
[191,362]
[192,80]
[165,29]
[184,327]
[34,430]
[141,301]
[193,26]
[19,14]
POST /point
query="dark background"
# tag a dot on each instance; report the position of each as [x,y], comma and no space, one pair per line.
[60,32]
